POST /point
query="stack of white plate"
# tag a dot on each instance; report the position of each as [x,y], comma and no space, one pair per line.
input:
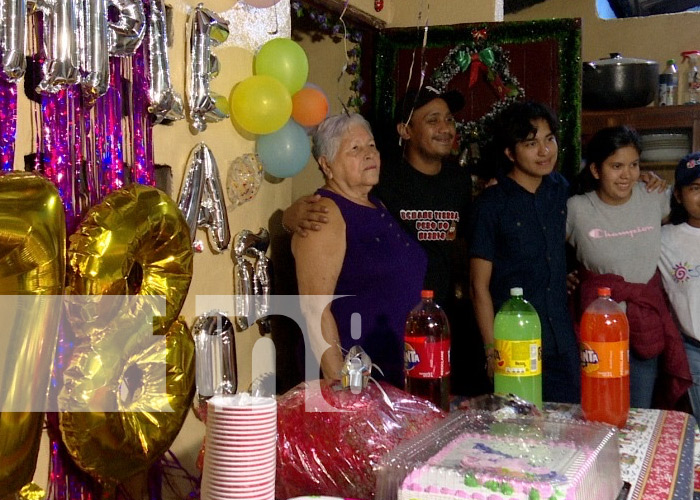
[239,459]
[664,147]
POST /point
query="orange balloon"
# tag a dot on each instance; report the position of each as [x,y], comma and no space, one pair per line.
[309,107]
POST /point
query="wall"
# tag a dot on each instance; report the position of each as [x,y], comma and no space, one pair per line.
[657,37]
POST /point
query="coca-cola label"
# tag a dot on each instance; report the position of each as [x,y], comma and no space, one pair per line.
[518,358]
[426,359]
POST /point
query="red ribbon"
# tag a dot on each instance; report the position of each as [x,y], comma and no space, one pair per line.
[475,68]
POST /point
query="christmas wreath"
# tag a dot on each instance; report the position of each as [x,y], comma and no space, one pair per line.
[479,58]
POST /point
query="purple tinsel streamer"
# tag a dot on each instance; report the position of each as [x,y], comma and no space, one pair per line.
[61,141]
[108,133]
[142,125]
[8,124]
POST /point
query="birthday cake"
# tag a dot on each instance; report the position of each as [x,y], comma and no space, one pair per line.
[490,467]
[517,459]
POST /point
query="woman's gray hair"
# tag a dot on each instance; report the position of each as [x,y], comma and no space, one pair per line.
[329,134]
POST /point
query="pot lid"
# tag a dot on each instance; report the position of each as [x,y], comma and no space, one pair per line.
[617,59]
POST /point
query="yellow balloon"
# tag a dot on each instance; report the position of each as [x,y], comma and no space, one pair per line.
[32,262]
[131,250]
[260,104]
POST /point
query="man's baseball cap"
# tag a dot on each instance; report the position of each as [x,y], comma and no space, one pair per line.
[417,98]
[688,170]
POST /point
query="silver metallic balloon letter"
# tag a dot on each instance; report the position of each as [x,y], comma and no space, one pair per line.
[61,42]
[95,50]
[14,16]
[127,32]
[202,198]
[165,103]
[207,30]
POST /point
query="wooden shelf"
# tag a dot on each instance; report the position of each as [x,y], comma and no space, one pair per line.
[682,118]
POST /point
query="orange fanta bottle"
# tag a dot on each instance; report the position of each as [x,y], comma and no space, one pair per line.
[605,372]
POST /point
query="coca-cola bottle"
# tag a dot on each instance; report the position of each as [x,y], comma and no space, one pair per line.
[427,352]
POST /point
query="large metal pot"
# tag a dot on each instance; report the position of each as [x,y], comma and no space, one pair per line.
[619,82]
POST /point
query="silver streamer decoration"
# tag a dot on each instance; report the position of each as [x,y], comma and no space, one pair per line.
[126,34]
[252,281]
[60,22]
[207,30]
[164,102]
[215,347]
[12,39]
[95,50]
[201,199]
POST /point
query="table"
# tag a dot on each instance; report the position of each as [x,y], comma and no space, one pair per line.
[657,452]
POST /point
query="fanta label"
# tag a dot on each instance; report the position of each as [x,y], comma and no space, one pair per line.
[605,359]
[426,359]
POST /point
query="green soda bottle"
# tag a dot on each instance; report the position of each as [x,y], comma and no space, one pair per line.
[518,349]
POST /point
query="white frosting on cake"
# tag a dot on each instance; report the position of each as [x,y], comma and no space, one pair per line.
[493,467]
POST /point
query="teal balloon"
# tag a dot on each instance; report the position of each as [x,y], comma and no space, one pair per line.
[286,152]
[285,60]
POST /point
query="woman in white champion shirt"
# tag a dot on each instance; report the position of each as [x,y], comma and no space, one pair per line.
[615,227]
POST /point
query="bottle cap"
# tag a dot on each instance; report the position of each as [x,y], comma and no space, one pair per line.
[603,291]
[426,294]
[671,61]
[516,291]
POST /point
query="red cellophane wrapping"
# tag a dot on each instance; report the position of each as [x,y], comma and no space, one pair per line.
[333,452]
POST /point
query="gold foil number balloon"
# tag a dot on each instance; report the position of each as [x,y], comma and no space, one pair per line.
[32,266]
[126,391]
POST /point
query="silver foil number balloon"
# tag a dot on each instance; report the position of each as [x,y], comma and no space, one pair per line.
[62,65]
[164,102]
[12,39]
[207,30]
[215,346]
[127,32]
[95,50]
[201,199]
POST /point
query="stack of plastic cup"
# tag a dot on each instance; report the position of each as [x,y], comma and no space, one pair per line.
[240,451]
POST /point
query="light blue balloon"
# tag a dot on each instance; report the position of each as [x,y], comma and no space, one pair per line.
[284,153]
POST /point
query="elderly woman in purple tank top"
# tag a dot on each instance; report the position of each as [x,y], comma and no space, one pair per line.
[363,257]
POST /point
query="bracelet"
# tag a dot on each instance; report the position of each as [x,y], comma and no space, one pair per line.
[287,229]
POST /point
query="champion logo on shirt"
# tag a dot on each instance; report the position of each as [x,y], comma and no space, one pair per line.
[597,233]
[683,272]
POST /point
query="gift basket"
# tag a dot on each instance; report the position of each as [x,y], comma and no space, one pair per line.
[330,437]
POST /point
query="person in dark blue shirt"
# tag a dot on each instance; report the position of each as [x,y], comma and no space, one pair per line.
[517,231]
